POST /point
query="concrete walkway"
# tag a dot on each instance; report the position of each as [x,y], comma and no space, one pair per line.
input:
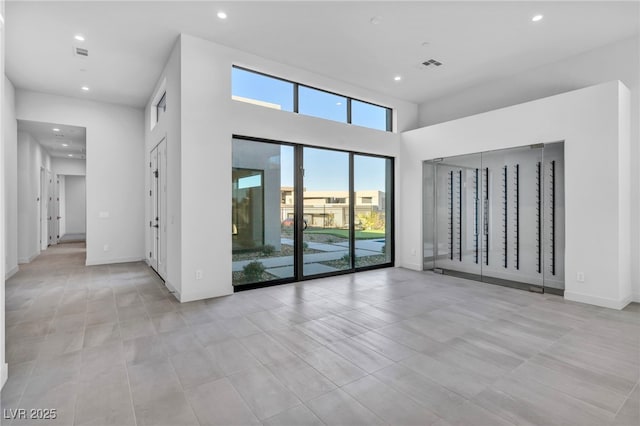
[330,252]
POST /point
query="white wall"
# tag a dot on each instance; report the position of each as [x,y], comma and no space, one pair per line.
[10,129]
[115,178]
[32,157]
[3,366]
[69,166]
[75,205]
[208,118]
[616,61]
[592,123]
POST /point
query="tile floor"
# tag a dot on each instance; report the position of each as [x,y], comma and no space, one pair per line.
[108,345]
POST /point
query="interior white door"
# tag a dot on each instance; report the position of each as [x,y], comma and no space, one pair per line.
[162,207]
[42,209]
[153,209]
[51,211]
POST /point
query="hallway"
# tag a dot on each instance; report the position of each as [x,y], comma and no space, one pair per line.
[109,345]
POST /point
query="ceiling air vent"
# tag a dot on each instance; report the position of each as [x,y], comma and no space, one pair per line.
[79,51]
[432,62]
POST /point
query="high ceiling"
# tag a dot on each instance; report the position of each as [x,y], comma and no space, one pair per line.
[53,138]
[362,43]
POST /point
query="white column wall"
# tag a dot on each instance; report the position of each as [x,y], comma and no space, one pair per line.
[594,124]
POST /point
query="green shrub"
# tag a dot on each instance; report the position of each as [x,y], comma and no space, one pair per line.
[330,240]
[253,271]
[268,250]
[305,245]
[346,259]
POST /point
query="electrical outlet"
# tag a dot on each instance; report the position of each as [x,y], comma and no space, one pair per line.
[106,247]
[580,277]
[199,274]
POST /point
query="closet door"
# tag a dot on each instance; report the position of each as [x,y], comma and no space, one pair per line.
[326,212]
[513,203]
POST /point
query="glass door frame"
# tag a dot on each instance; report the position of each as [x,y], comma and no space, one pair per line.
[430,218]
[298,223]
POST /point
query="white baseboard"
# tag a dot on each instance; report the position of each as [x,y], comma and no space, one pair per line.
[93,262]
[4,374]
[173,290]
[412,266]
[598,301]
[200,295]
[29,259]
[11,272]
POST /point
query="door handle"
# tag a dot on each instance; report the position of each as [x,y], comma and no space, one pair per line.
[304,225]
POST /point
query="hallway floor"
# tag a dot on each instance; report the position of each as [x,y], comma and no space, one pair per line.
[109,345]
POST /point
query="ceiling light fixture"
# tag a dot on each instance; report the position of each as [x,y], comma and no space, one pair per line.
[397,78]
[69,155]
[65,144]
[537,18]
[375,20]
[56,129]
[79,37]
[222,15]
[85,88]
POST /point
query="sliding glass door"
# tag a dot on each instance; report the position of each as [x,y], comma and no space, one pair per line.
[300,212]
[373,206]
[326,212]
[262,212]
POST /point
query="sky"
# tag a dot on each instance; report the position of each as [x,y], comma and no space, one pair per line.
[312,102]
[325,170]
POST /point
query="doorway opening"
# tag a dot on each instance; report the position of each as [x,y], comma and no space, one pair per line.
[52,169]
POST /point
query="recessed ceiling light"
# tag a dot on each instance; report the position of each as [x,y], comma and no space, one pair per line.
[79,37]
[397,78]
[425,43]
[85,88]
[375,20]
[65,144]
[222,15]
[69,155]
[56,129]
[537,18]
